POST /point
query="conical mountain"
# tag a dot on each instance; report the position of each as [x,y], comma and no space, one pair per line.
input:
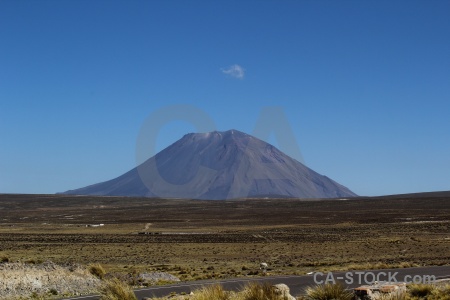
[216,166]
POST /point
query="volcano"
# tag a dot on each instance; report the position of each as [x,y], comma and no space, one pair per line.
[219,166]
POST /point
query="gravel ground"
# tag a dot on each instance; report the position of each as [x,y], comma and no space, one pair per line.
[47,280]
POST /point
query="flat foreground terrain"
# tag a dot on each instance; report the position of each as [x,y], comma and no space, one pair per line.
[222,239]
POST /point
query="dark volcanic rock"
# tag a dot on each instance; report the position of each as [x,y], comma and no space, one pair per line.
[219,165]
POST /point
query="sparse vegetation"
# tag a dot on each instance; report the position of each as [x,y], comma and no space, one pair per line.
[232,245]
[428,292]
[421,292]
[114,289]
[328,292]
[295,238]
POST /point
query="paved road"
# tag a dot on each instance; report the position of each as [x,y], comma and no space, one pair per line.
[297,284]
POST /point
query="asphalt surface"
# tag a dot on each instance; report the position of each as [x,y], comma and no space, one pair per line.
[297,284]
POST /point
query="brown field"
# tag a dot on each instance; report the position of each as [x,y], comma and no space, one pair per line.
[219,239]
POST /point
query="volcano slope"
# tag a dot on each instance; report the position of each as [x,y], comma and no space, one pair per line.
[217,166]
[195,239]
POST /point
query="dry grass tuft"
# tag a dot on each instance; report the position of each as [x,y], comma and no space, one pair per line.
[115,289]
[441,293]
[260,291]
[328,292]
[428,292]
[97,270]
[215,292]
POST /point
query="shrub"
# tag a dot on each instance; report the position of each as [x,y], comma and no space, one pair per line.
[31,261]
[420,290]
[328,292]
[4,259]
[115,289]
[53,291]
[97,270]
[36,296]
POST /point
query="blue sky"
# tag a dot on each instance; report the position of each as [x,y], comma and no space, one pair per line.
[365,85]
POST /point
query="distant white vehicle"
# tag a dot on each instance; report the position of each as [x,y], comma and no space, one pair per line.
[95,225]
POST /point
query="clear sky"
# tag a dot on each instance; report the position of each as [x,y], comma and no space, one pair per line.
[365,85]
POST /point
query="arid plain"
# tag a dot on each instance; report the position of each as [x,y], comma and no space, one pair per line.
[195,239]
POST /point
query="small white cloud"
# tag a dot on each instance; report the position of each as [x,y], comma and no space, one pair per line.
[235,71]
